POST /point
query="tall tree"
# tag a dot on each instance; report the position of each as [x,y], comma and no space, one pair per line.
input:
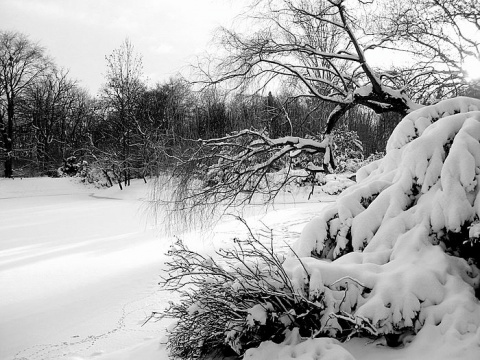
[48,106]
[316,46]
[122,95]
[22,62]
[321,48]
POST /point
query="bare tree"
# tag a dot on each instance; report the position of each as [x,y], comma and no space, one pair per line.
[318,49]
[47,107]
[21,63]
[313,47]
[122,94]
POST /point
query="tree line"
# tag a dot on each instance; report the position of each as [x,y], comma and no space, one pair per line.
[131,129]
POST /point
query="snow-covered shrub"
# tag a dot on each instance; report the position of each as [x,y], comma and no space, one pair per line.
[334,184]
[73,167]
[407,231]
[91,173]
[230,302]
[348,155]
[309,169]
[244,297]
[348,150]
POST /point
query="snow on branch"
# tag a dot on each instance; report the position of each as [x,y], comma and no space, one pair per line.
[239,168]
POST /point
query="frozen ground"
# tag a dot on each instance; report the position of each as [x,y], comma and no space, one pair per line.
[79,268]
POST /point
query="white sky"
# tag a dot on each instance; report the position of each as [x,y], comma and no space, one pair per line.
[78,34]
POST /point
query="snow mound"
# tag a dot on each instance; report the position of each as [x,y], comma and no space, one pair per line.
[394,254]
[293,348]
[335,184]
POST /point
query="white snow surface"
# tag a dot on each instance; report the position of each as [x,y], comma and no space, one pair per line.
[296,348]
[79,267]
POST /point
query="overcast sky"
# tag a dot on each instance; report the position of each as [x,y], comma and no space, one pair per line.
[78,34]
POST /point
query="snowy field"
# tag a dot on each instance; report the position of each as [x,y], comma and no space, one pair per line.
[79,272]
[79,268]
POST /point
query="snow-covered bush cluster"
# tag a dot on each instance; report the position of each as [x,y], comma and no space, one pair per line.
[348,155]
[334,184]
[330,184]
[406,232]
[244,298]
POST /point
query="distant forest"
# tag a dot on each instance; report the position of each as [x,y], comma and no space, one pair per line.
[131,129]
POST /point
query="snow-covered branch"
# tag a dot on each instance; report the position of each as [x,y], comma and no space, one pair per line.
[240,168]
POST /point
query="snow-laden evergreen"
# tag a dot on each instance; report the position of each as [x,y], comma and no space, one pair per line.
[396,247]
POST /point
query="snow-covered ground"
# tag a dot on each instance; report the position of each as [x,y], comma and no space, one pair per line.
[79,267]
[79,272]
